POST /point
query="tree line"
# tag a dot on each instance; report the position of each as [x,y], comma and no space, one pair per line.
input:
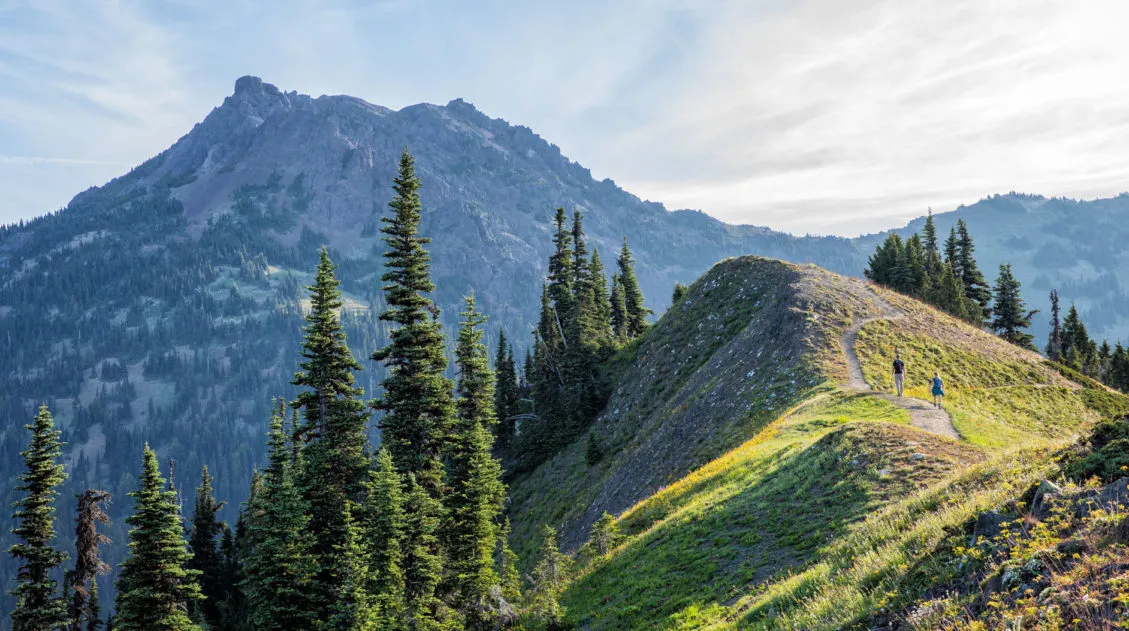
[337,535]
[1070,344]
[949,278]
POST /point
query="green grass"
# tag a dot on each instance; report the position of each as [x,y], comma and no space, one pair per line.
[772,504]
[995,402]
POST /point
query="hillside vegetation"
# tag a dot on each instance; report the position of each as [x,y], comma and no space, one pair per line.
[752,488]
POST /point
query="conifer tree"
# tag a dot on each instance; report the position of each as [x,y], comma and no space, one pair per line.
[678,293]
[549,577]
[155,587]
[506,390]
[619,310]
[88,558]
[637,313]
[332,432]
[384,534]
[1054,340]
[206,557]
[948,294]
[1075,339]
[883,265]
[507,566]
[975,287]
[916,273]
[930,244]
[279,569]
[477,493]
[38,604]
[561,276]
[602,316]
[417,401]
[93,609]
[417,404]
[952,248]
[352,608]
[1010,317]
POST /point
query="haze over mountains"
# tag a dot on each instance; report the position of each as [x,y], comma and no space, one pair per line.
[165,305]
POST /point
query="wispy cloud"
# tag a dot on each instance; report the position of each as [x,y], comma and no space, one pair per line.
[818,115]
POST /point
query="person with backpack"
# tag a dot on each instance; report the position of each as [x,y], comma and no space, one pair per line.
[938,390]
[899,373]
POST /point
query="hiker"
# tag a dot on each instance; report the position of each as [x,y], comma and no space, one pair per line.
[938,390]
[899,373]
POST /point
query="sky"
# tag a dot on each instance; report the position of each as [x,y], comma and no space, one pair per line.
[811,116]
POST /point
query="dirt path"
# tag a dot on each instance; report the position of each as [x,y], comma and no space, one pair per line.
[922,413]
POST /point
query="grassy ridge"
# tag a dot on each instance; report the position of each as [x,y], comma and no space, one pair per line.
[772,504]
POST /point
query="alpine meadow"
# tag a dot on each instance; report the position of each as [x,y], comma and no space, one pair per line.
[324,365]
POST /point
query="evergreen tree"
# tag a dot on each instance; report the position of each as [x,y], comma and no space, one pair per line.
[619,310]
[948,294]
[636,313]
[477,494]
[605,535]
[417,399]
[88,558]
[384,534]
[1105,361]
[1010,318]
[206,557]
[93,609]
[507,564]
[332,433]
[352,608]
[1075,339]
[561,276]
[549,577]
[279,570]
[975,287]
[679,291]
[505,391]
[155,588]
[233,609]
[602,316]
[883,266]
[423,566]
[930,244]
[38,605]
[1054,340]
[952,248]
[917,281]
[1119,368]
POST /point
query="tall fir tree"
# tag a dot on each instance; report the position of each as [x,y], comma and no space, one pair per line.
[975,287]
[332,433]
[505,391]
[619,310]
[883,265]
[155,587]
[602,314]
[1075,339]
[948,294]
[352,608]
[952,253]
[931,245]
[477,495]
[637,313]
[1010,317]
[549,577]
[1054,339]
[561,277]
[383,530]
[507,566]
[206,556]
[279,568]
[417,401]
[88,558]
[38,604]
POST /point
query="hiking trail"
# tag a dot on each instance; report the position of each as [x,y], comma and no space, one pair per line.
[922,413]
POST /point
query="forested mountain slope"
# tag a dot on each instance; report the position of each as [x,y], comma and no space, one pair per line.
[737,455]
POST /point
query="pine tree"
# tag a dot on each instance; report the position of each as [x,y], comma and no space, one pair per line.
[417,399]
[477,493]
[975,287]
[206,557]
[549,577]
[155,588]
[332,434]
[602,320]
[1010,317]
[38,605]
[93,609]
[505,391]
[507,566]
[619,310]
[423,565]
[605,535]
[279,569]
[948,294]
[678,293]
[384,533]
[637,313]
[352,608]
[1119,368]
[917,275]
[1075,339]
[88,558]
[952,248]
[930,243]
[1054,340]
[883,265]
[561,276]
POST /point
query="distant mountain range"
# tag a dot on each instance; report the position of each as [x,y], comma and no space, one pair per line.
[165,306]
